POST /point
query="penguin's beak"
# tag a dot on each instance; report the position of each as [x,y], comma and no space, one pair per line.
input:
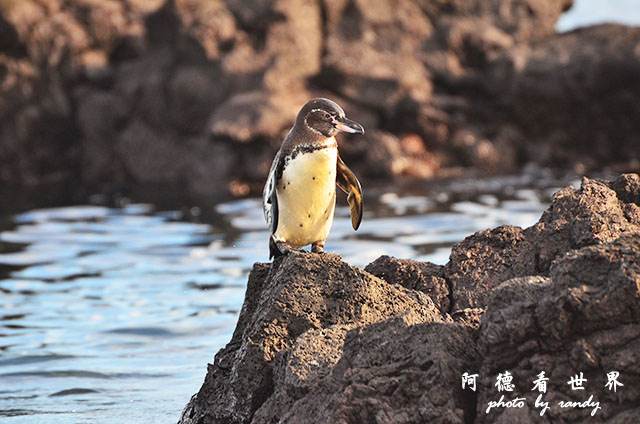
[347,125]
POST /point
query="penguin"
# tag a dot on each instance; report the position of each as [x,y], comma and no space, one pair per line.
[299,196]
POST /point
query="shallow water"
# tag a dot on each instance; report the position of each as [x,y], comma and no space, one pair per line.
[110,315]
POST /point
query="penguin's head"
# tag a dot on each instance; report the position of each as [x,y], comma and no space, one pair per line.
[327,118]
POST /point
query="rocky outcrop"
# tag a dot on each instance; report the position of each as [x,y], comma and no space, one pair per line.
[422,276]
[199,93]
[321,341]
[596,213]
[291,330]
[584,318]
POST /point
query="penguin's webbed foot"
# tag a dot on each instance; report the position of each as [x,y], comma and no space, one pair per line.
[278,248]
[317,247]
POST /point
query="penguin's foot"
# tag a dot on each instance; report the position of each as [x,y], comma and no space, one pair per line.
[317,247]
[278,248]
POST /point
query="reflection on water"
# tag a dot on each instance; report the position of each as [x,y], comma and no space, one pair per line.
[111,315]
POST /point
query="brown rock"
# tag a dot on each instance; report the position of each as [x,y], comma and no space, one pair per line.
[589,73]
[584,319]
[437,84]
[99,114]
[386,375]
[422,276]
[141,83]
[193,92]
[381,155]
[210,23]
[479,152]
[311,358]
[576,218]
[207,165]
[589,215]
[251,116]
[627,187]
[373,52]
[10,43]
[158,162]
[526,19]
[473,41]
[299,293]
[482,261]
[471,317]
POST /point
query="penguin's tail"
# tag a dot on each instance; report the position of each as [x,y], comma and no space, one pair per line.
[278,248]
[274,250]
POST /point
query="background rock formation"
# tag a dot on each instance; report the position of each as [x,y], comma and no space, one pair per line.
[200,93]
[321,341]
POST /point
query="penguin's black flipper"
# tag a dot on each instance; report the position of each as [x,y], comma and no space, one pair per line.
[273,199]
[270,197]
[348,182]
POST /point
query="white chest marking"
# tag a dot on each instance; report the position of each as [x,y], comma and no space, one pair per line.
[307,197]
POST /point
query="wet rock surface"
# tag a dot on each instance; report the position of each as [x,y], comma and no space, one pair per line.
[321,341]
[201,93]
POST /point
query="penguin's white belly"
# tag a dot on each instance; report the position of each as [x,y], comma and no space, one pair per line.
[307,197]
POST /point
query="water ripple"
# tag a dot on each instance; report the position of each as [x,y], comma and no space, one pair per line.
[74,391]
[32,359]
